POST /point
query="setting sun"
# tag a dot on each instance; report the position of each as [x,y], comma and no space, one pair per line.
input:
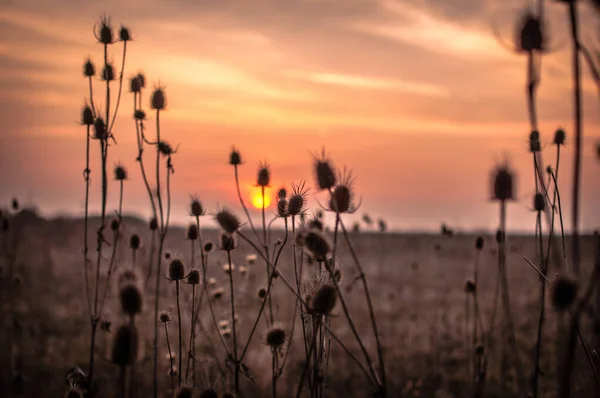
[257,199]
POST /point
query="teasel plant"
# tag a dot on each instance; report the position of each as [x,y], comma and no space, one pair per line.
[478,353]
[102,132]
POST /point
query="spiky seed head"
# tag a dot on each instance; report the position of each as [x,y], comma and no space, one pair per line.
[324,171]
[534,141]
[262,292]
[124,34]
[88,68]
[502,184]
[560,137]
[209,393]
[264,176]
[139,114]
[316,245]
[208,247]
[479,243]
[470,286]
[235,158]
[100,132]
[105,33]
[135,242]
[531,34]
[227,242]
[296,204]
[276,337]
[87,116]
[114,225]
[340,199]
[120,173]
[185,392]
[539,202]
[176,269]
[193,277]
[316,223]
[158,100]
[141,79]
[282,193]
[192,232]
[108,73]
[164,317]
[153,224]
[500,237]
[165,148]
[324,299]
[125,345]
[131,299]
[282,205]
[196,208]
[134,85]
[564,292]
[227,221]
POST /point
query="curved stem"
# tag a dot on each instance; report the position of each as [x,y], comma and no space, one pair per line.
[171,373]
[233,327]
[120,86]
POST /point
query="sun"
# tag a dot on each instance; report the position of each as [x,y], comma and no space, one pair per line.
[257,199]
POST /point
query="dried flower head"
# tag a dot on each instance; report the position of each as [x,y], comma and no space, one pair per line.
[341,197]
[539,202]
[316,223]
[324,171]
[120,173]
[125,345]
[262,292]
[227,242]
[479,243]
[108,73]
[196,208]
[131,299]
[153,224]
[100,132]
[560,137]
[114,225]
[158,100]
[193,277]
[124,34]
[534,141]
[282,204]
[297,199]
[282,193]
[227,221]
[324,299]
[470,286]
[104,34]
[176,270]
[502,183]
[316,245]
[192,232]
[88,68]
[87,116]
[164,317]
[235,158]
[530,31]
[208,247]
[264,176]
[135,242]
[141,79]
[165,148]
[564,292]
[134,85]
[139,114]
[276,337]
[184,392]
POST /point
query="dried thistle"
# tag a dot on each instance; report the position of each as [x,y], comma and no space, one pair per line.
[324,171]
[125,345]
[131,299]
[227,221]
[324,299]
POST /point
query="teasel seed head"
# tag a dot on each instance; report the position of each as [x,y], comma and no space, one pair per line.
[264,176]
[139,114]
[108,73]
[176,270]
[158,100]
[282,205]
[262,292]
[479,243]
[192,232]
[153,224]
[196,208]
[125,345]
[324,299]
[120,173]
[560,137]
[316,223]
[324,171]
[124,34]
[87,116]
[235,158]
[217,294]
[470,287]
[131,299]
[141,80]
[164,317]
[227,242]
[135,242]
[227,221]
[88,68]
[114,225]
[503,183]
[208,247]
[297,199]
[251,258]
[534,141]
[105,33]
[539,202]
[193,277]
[134,85]
[282,193]
[564,292]
[100,132]
[165,148]
[316,245]
[276,337]
[530,33]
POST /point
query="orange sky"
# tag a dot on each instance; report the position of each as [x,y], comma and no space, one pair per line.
[417,97]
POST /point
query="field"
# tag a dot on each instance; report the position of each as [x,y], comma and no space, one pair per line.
[417,283]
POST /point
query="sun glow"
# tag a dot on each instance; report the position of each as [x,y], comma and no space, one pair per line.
[257,198]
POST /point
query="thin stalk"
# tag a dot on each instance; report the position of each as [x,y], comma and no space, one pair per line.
[266,247]
[171,373]
[237,185]
[233,327]
[538,346]
[120,86]
[86,261]
[306,365]
[273,373]
[179,326]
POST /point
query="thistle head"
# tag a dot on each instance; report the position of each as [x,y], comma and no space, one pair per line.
[153,225]
[539,202]
[282,193]
[564,292]
[108,73]
[135,242]
[176,270]
[134,85]
[120,173]
[235,158]
[227,242]
[276,337]
[193,277]
[87,116]
[282,205]
[316,245]
[158,99]
[470,287]
[192,232]
[324,299]
[227,221]
[164,317]
[105,33]
[88,68]
[264,176]
[208,247]
[530,33]
[124,34]
[502,183]
[341,196]
[196,208]
[139,115]
[560,137]
[534,141]
[100,132]
[131,299]
[262,293]
[165,148]
[125,345]
[297,199]
[324,171]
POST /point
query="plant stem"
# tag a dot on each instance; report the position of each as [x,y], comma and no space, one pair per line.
[233,327]
[171,373]
[179,326]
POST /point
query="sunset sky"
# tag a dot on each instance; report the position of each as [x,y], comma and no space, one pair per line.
[417,97]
